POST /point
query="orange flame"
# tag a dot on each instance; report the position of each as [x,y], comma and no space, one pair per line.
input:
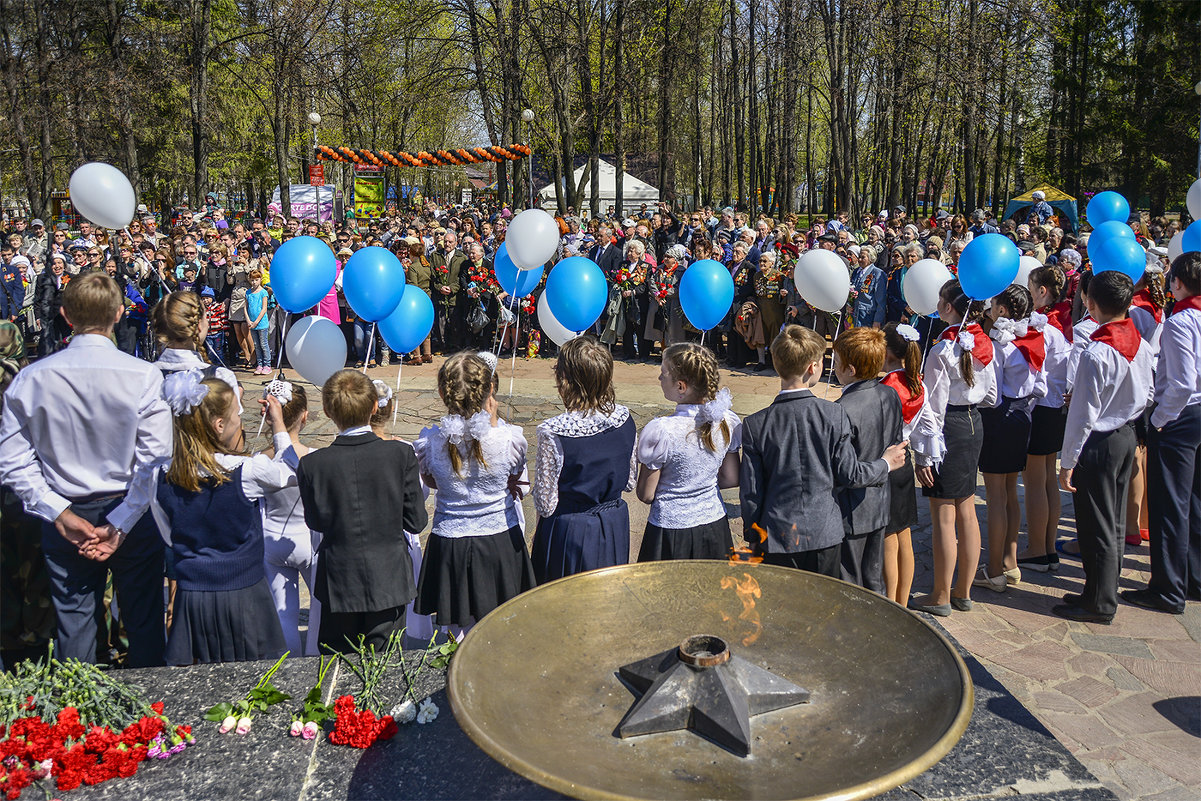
[747,591]
[748,555]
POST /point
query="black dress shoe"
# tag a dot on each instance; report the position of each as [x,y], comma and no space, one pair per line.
[1148,599]
[1073,612]
[1072,598]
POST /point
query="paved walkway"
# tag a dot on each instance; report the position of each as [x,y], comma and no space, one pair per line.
[1124,698]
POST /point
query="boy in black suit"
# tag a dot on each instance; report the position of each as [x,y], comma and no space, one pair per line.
[362,493]
[875,414]
[794,454]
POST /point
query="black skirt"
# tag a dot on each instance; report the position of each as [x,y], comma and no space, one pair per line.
[1046,430]
[224,626]
[963,435]
[706,541]
[465,578]
[1006,436]
[902,508]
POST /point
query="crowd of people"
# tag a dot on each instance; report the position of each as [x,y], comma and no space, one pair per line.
[138,468]
[448,253]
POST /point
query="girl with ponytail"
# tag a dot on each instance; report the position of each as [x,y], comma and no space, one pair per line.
[1019,369]
[208,505]
[947,444]
[475,559]
[686,458]
[1146,312]
[1047,423]
[903,372]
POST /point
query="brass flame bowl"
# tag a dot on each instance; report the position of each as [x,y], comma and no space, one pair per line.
[534,684]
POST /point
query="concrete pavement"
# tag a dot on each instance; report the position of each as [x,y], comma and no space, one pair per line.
[1125,699]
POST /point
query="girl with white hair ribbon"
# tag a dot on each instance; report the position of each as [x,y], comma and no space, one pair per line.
[902,372]
[475,558]
[207,505]
[686,458]
[290,547]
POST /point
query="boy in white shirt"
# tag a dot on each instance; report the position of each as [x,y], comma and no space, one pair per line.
[1174,451]
[1112,387]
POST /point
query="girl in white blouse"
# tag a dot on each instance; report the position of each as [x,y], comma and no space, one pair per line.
[475,559]
[947,447]
[686,458]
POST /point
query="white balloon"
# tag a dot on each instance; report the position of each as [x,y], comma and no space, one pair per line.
[1026,265]
[822,278]
[1175,246]
[532,238]
[1194,200]
[921,284]
[102,194]
[316,348]
[552,327]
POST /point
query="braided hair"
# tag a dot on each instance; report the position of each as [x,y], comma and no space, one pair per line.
[696,366]
[465,383]
[176,318]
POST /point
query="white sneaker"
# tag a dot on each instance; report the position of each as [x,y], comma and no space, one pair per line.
[994,583]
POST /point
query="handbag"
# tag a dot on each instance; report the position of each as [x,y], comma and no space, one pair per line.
[477,318]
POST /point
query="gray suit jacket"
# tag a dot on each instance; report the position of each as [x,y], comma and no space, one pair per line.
[875,414]
[795,453]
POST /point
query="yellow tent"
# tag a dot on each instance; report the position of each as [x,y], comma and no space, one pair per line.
[1057,198]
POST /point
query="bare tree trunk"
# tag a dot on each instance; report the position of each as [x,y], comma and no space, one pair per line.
[197,15]
[619,144]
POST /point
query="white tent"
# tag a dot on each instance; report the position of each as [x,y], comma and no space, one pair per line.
[634,191]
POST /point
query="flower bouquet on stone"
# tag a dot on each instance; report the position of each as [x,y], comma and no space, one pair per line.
[239,716]
[72,723]
[306,722]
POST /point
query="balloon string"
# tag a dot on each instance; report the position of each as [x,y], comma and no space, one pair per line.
[396,396]
[926,351]
[279,357]
[370,342]
[278,361]
[513,364]
[830,375]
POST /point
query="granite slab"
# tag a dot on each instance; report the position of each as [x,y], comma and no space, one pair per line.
[1004,753]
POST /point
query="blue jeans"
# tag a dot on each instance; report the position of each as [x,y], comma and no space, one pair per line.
[262,346]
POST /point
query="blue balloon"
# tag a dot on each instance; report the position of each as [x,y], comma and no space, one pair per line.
[516,282]
[1192,238]
[576,292]
[706,293]
[408,326]
[987,265]
[1109,230]
[1125,255]
[1107,207]
[302,273]
[373,282]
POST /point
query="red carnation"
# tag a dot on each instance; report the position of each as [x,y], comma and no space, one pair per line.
[158,707]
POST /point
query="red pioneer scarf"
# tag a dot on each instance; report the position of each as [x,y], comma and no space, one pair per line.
[1142,299]
[981,348]
[911,403]
[1121,335]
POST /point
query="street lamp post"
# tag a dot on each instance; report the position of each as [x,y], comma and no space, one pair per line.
[315,120]
[527,116]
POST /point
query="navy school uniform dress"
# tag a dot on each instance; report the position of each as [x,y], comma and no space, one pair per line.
[224,611]
[585,462]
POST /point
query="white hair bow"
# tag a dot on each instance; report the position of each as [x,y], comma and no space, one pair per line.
[383,391]
[183,391]
[966,339]
[908,332]
[1037,321]
[1004,330]
[459,430]
[280,389]
[714,411]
